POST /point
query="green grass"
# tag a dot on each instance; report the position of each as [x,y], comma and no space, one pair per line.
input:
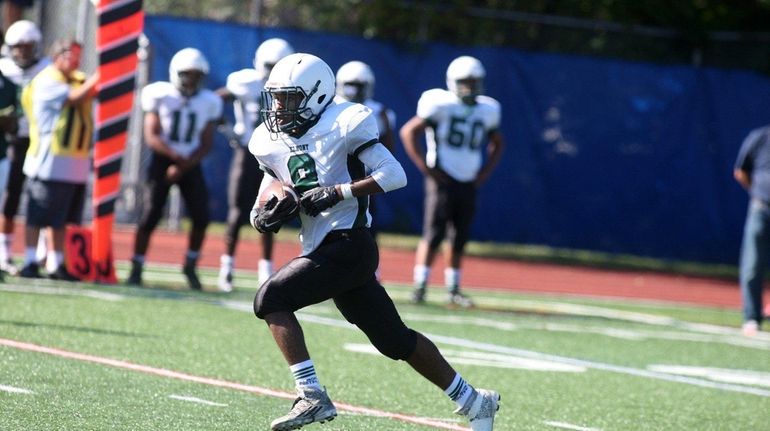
[599,376]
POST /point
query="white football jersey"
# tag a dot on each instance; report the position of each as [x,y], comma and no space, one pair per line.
[247,89]
[182,119]
[21,77]
[377,109]
[324,156]
[458,131]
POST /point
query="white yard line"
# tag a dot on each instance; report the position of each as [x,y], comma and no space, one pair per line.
[488,347]
[14,390]
[566,426]
[196,400]
[161,372]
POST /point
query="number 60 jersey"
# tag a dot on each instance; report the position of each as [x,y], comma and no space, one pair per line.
[182,119]
[457,131]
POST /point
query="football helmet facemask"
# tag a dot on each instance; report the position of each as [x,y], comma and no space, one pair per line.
[268,54]
[355,82]
[296,93]
[465,78]
[22,43]
[188,70]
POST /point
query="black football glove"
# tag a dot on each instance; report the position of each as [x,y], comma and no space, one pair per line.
[316,200]
[275,213]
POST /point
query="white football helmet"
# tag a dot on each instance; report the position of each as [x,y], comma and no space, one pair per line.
[355,81]
[268,54]
[471,72]
[188,60]
[296,93]
[22,33]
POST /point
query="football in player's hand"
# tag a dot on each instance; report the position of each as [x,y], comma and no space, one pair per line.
[279,191]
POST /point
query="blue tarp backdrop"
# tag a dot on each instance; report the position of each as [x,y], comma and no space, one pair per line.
[601,154]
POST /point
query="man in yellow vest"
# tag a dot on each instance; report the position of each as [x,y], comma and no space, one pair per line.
[58,104]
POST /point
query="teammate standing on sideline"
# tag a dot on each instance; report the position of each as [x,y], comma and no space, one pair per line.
[244,89]
[321,147]
[456,122]
[752,171]
[23,42]
[355,83]
[179,122]
[58,103]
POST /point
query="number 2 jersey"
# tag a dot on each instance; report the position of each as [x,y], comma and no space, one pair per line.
[457,131]
[182,118]
[324,156]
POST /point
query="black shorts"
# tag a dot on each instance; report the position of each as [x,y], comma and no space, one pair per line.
[341,268]
[449,211]
[192,186]
[54,203]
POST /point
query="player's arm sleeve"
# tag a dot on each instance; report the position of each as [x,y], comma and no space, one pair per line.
[385,169]
[745,160]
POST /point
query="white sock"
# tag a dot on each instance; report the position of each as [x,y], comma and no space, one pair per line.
[42,247]
[459,391]
[304,376]
[420,275]
[265,267]
[5,246]
[30,255]
[55,258]
[452,278]
[226,262]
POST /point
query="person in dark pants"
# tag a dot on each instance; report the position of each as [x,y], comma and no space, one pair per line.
[325,156]
[179,123]
[457,121]
[23,42]
[752,171]
[244,89]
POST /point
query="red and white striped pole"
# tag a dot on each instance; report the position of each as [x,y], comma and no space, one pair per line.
[120,25]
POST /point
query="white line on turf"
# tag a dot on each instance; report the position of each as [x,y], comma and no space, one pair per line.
[567,426]
[161,372]
[743,377]
[45,290]
[488,347]
[196,400]
[14,390]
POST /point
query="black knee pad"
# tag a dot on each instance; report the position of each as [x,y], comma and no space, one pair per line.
[395,346]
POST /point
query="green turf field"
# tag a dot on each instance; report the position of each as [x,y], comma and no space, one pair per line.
[83,357]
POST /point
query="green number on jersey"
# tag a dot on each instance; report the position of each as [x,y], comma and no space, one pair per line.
[303,172]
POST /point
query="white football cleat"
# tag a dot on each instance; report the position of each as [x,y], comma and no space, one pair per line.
[750,328]
[312,405]
[225,280]
[480,409]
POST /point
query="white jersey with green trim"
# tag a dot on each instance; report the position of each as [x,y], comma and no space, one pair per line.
[182,118]
[246,87]
[324,156]
[457,132]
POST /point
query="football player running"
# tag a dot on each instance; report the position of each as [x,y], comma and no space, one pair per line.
[244,89]
[319,148]
[456,122]
[24,60]
[179,122]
